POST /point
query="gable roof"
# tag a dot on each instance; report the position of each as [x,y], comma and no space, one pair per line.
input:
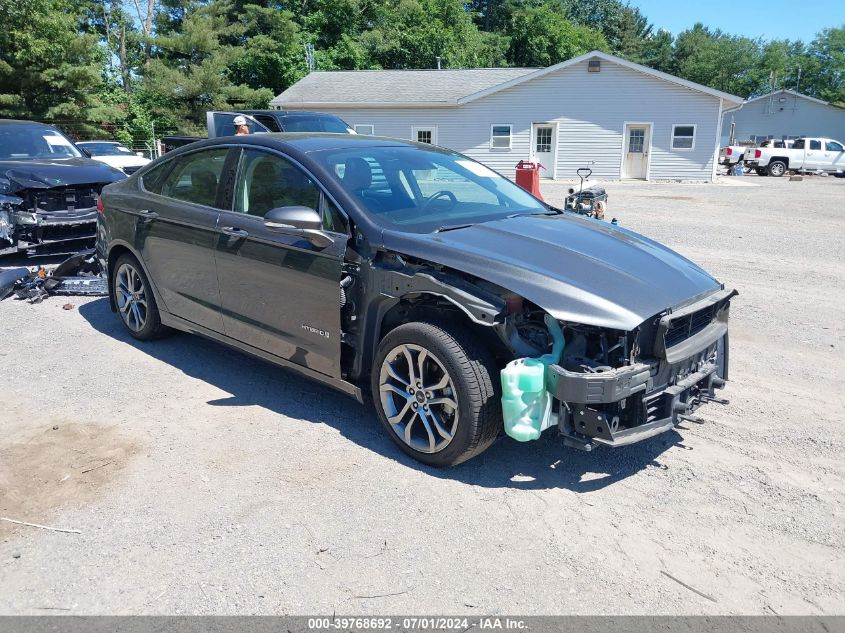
[408,88]
[645,70]
[794,94]
[393,87]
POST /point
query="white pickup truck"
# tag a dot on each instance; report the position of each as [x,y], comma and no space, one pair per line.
[806,154]
[730,155]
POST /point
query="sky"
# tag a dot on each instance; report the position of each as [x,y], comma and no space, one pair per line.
[770,19]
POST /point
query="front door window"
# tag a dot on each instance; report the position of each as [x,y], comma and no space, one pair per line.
[266,181]
[636,140]
[544,140]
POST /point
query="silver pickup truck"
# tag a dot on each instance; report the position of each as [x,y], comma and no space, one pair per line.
[806,154]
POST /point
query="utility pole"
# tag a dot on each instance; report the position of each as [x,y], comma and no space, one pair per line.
[309,58]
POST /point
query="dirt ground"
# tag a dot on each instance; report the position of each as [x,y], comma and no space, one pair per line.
[203,481]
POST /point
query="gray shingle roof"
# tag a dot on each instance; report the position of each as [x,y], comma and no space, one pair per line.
[394,86]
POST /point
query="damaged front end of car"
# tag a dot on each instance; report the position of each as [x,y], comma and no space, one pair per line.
[617,388]
[43,220]
[599,385]
[614,387]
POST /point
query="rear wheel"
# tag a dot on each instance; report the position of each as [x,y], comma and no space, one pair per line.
[436,392]
[777,168]
[134,299]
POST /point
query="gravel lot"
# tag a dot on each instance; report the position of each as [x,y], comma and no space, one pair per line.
[203,481]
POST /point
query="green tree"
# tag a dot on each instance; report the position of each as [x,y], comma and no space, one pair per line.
[49,67]
[541,36]
[413,33]
[190,69]
[712,58]
[657,52]
[825,61]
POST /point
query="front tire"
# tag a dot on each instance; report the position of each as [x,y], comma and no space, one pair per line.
[435,389]
[134,299]
[777,168]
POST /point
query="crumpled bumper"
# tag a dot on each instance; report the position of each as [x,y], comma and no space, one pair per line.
[44,233]
[622,406]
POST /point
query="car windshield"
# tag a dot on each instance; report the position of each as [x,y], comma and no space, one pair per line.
[421,190]
[315,123]
[30,142]
[106,149]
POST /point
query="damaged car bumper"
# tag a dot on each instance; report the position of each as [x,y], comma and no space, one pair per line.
[624,405]
[49,222]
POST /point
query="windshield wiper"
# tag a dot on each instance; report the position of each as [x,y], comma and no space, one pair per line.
[550,211]
[453,227]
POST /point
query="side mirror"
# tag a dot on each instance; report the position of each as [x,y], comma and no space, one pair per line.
[84,151]
[299,220]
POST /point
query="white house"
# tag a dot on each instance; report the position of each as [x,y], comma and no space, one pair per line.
[784,114]
[621,119]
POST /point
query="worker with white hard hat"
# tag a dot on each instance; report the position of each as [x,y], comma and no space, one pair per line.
[241,128]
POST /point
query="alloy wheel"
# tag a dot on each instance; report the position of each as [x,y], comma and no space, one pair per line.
[131,297]
[418,398]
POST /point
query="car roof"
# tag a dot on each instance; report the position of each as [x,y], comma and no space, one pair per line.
[289,113]
[303,142]
[21,122]
[99,142]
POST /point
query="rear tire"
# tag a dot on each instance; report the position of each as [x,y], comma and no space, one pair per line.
[133,296]
[777,168]
[446,409]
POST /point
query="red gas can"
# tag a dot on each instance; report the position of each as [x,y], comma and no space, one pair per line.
[528,177]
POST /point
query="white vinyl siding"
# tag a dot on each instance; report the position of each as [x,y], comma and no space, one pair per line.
[683,136]
[365,129]
[794,117]
[500,136]
[590,110]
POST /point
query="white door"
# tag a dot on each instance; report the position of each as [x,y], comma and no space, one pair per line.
[543,143]
[637,144]
[834,156]
[814,158]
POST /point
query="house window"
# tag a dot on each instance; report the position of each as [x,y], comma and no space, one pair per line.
[366,130]
[424,134]
[683,137]
[500,136]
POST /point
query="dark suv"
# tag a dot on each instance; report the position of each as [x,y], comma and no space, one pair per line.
[415,274]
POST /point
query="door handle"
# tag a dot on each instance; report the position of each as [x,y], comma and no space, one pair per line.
[233,231]
[147,214]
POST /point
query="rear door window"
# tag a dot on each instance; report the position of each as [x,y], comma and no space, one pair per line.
[195,177]
[267,121]
[814,144]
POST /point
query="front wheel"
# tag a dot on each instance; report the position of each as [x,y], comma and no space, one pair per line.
[436,391]
[777,168]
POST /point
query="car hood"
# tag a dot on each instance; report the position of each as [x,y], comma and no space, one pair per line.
[577,269]
[123,161]
[48,173]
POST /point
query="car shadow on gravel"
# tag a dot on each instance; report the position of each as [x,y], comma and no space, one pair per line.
[546,463]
